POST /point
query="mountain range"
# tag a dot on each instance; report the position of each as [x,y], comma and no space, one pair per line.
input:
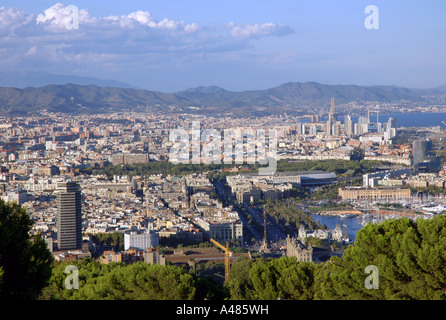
[212,100]
[24,78]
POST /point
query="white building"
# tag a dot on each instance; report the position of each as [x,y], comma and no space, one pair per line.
[221,230]
[17,195]
[141,240]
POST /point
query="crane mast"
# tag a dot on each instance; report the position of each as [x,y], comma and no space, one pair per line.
[227,252]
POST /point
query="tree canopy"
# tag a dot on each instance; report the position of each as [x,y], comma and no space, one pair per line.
[410,257]
[25,261]
[117,281]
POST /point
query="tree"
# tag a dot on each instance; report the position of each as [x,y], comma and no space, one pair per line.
[410,257]
[117,281]
[357,154]
[239,283]
[283,278]
[25,261]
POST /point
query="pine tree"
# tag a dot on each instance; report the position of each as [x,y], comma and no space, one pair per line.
[25,260]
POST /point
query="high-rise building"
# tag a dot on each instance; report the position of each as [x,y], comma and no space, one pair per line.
[69,216]
[421,149]
[348,125]
[298,126]
[313,129]
[424,159]
[332,108]
[329,126]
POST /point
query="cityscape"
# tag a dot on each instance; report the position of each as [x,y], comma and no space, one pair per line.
[300,192]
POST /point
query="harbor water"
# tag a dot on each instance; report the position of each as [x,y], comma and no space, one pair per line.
[351,224]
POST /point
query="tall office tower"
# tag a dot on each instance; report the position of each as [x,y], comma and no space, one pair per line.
[421,148]
[424,159]
[69,216]
[298,126]
[331,119]
[348,125]
[391,128]
[313,129]
[328,127]
[391,123]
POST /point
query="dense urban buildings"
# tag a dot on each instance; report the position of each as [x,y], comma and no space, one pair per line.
[70,175]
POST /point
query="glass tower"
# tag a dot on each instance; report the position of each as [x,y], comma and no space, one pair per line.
[69,216]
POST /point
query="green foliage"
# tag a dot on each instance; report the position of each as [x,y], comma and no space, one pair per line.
[410,257]
[288,216]
[25,261]
[357,154]
[116,281]
[283,278]
[115,239]
[164,167]
[315,242]
[331,165]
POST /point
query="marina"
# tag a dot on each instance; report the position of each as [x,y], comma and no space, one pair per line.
[352,221]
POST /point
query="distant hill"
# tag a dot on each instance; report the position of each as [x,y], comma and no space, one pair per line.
[23,79]
[288,97]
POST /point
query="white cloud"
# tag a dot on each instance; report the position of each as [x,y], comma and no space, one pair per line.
[244,31]
[145,19]
[57,17]
[136,40]
[32,51]
[11,19]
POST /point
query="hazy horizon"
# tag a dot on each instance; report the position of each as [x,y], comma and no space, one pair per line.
[173,45]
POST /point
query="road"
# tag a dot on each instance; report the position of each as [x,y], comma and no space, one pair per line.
[224,194]
[273,232]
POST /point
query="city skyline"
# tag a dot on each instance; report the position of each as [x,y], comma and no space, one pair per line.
[172,46]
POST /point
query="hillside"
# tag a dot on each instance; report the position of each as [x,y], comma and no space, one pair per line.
[288,97]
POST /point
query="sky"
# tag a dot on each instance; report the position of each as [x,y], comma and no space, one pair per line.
[174,45]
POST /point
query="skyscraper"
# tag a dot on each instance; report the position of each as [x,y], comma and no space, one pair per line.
[299,126]
[348,125]
[424,159]
[69,216]
[331,119]
[421,149]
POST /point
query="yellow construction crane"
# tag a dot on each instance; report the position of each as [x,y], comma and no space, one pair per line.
[228,254]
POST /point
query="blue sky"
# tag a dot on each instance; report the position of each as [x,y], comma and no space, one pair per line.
[238,45]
